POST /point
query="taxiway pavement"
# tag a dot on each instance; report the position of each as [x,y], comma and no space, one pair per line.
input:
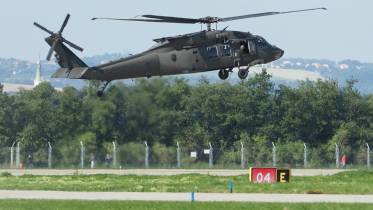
[159,172]
[185,197]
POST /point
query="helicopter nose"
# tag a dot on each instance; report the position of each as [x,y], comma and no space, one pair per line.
[277,52]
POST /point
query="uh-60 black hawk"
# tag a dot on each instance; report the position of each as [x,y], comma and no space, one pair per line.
[206,50]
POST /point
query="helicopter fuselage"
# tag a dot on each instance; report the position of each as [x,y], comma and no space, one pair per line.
[190,53]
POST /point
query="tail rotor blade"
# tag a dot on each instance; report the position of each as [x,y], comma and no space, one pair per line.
[57,38]
[72,45]
[64,23]
[43,28]
[51,50]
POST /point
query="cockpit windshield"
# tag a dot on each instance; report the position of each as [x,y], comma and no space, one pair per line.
[262,43]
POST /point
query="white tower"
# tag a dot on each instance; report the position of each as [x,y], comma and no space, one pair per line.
[38,78]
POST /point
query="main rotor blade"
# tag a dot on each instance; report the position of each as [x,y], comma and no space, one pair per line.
[51,50]
[72,45]
[64,23]
[134,19]
[173,19]
[266,14]
[43,28]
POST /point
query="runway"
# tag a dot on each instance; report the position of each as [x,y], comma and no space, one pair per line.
[184,197]
[159,172]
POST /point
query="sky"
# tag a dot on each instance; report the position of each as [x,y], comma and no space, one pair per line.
[345,31]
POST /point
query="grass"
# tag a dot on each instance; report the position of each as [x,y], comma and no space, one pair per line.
[351,182]
[92,205]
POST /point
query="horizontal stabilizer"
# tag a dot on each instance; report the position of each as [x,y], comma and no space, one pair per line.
[75,73]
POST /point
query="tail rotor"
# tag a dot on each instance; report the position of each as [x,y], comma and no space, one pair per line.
[58,38]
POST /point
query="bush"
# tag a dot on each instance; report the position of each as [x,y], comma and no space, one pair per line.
[290,153]
[162,155]
[6,174]
[229,158]
[131,154]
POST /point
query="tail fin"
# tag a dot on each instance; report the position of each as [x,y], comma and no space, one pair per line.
[72,66]
[65,57]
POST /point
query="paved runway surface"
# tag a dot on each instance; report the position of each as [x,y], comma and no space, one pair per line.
[162,172]
[186,197]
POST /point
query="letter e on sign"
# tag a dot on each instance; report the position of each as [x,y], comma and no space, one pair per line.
[283,175]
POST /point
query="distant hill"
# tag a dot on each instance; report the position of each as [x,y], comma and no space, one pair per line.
[23,72]
[337,70]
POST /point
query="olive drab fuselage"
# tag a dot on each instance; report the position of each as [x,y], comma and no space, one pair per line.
[191,53]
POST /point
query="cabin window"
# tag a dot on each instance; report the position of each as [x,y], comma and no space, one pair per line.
[173,57]
[212,52]
[225,50]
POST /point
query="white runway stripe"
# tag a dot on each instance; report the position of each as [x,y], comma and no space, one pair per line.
[186,197]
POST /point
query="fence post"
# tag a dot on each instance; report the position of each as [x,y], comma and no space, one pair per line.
[146,154]
[305,162]
[12,155]
[211,156]
[49,155]
[81,155]
[114,154]
[178,155]
[273,154]
[368,156]
[18,156]
[336,156]
[242,156]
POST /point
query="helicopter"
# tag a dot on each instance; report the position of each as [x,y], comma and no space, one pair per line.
[206,50]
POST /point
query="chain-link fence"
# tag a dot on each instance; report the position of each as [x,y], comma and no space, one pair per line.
[5,158]
[144,155]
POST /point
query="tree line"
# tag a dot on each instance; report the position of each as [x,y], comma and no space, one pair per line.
[162,112]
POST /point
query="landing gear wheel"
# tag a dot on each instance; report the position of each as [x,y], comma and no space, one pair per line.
[223,74]
[100,93]
[243,73]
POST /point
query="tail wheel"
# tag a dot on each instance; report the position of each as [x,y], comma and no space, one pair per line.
[243,73]
[223,74]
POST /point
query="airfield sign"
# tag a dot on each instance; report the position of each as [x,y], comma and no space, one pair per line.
[269,175]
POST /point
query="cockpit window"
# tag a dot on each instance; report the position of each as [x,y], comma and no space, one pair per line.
[262,43]
[225,50]
[212,52]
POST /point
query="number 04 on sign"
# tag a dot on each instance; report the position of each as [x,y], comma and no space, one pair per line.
[269,175]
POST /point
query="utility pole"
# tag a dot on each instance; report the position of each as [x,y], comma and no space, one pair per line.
[49,155]
[211,156]
[305,162]
[12,155]
[18,158]
[273,154]
[114,154]
[81,155]
[242,156]
[368,156]
[336,156]
[146,154]
[178,159]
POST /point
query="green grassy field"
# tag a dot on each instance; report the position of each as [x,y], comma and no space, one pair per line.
[81,205]
[351,182]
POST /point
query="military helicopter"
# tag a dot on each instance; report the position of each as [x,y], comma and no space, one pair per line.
[202,51]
